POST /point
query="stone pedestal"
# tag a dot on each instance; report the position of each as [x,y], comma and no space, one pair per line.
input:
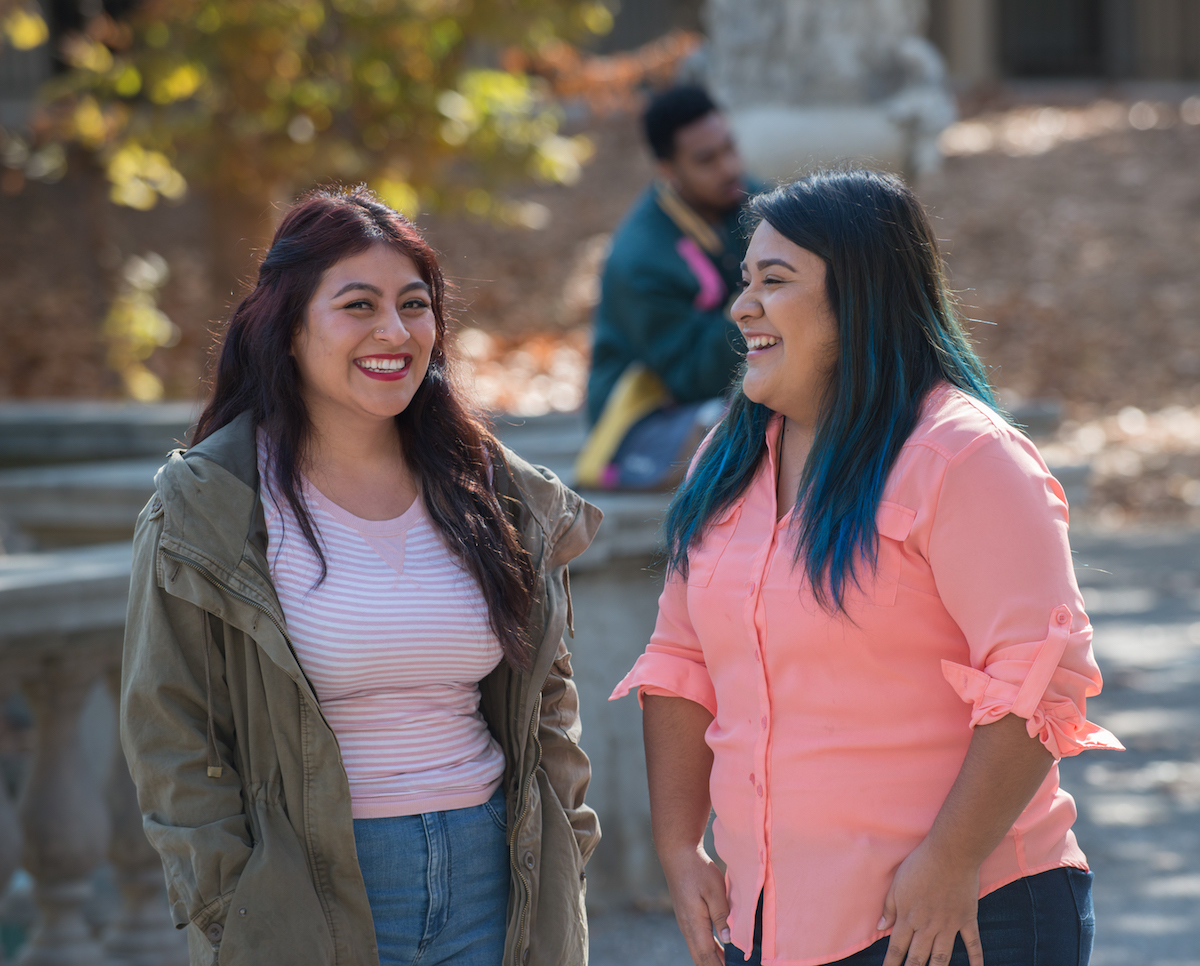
[809,83]
[782,143]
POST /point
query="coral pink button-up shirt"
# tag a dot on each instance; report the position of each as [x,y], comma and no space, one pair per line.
[835,738]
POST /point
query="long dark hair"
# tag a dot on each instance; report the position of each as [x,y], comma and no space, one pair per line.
[448,448]
[899,334]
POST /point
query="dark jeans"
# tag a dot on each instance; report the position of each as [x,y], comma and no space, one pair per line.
[1042,920]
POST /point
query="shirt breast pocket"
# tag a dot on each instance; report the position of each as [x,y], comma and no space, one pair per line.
[703,560]
[892,524]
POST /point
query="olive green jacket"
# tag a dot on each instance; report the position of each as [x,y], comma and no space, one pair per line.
[239,775]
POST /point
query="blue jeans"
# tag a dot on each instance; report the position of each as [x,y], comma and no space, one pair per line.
[437,884]
[1041,920]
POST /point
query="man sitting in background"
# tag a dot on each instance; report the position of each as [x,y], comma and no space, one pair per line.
[663,343]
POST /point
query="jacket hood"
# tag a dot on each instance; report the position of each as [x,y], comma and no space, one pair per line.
[568,521]
[210,495]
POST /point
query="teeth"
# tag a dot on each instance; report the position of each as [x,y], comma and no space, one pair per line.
[760,341]
[382,365]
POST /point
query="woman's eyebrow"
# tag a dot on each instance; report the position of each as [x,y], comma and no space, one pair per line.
[374,289]
[767,262]
[363,285]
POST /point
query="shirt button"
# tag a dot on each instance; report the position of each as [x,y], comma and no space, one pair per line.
[752,778]
[1062,618]
[763,722]
[760,791]
[241,912]
[214,931]
[529,860]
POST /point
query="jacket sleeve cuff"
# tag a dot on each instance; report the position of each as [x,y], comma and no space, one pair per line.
[665,673]
[1054,718]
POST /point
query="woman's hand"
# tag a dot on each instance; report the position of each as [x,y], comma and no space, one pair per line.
[931,901]
[701,908]
[935,893]
[678,765]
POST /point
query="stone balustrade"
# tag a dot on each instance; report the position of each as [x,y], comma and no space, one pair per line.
[40,432]
[62,618]
[45,507]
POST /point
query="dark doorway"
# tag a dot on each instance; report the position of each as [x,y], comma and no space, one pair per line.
[1052,38]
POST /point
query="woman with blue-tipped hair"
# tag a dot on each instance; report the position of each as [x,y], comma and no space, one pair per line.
[871,650]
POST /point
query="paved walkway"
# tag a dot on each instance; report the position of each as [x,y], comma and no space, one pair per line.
[1139,820]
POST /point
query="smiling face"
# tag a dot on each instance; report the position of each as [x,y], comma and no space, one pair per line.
[706,168]
[366,340]
[790,329]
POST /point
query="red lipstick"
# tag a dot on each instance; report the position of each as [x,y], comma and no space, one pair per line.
[386,368]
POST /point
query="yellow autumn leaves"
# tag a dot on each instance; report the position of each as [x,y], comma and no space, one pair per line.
[138,177]
[23,27]
[135,326]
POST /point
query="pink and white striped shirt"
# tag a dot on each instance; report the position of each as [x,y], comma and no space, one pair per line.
[394,641]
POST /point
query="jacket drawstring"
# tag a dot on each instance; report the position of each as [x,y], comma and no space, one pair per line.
[570,612]
[214,760]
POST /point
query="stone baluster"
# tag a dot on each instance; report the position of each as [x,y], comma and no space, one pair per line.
[143,933]
[63,816]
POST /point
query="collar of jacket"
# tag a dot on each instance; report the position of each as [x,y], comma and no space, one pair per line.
[687,220]
[214,523]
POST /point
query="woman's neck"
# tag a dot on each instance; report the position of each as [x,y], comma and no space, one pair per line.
[795,441]
[361,468]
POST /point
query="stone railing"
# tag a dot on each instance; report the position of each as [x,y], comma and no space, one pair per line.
[62,618]
[44,507]
[35,433]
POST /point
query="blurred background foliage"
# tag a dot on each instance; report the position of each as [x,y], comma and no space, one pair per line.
[258,99]
[440,106]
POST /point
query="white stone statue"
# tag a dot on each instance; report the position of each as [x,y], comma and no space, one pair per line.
[809,82]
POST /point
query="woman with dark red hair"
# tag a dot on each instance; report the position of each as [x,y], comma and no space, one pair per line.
[346,701]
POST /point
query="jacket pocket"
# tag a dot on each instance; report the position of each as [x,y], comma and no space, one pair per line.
[275,914]
[703,560]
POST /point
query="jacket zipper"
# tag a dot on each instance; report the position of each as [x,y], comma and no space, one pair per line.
[537,710]
[221,585]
